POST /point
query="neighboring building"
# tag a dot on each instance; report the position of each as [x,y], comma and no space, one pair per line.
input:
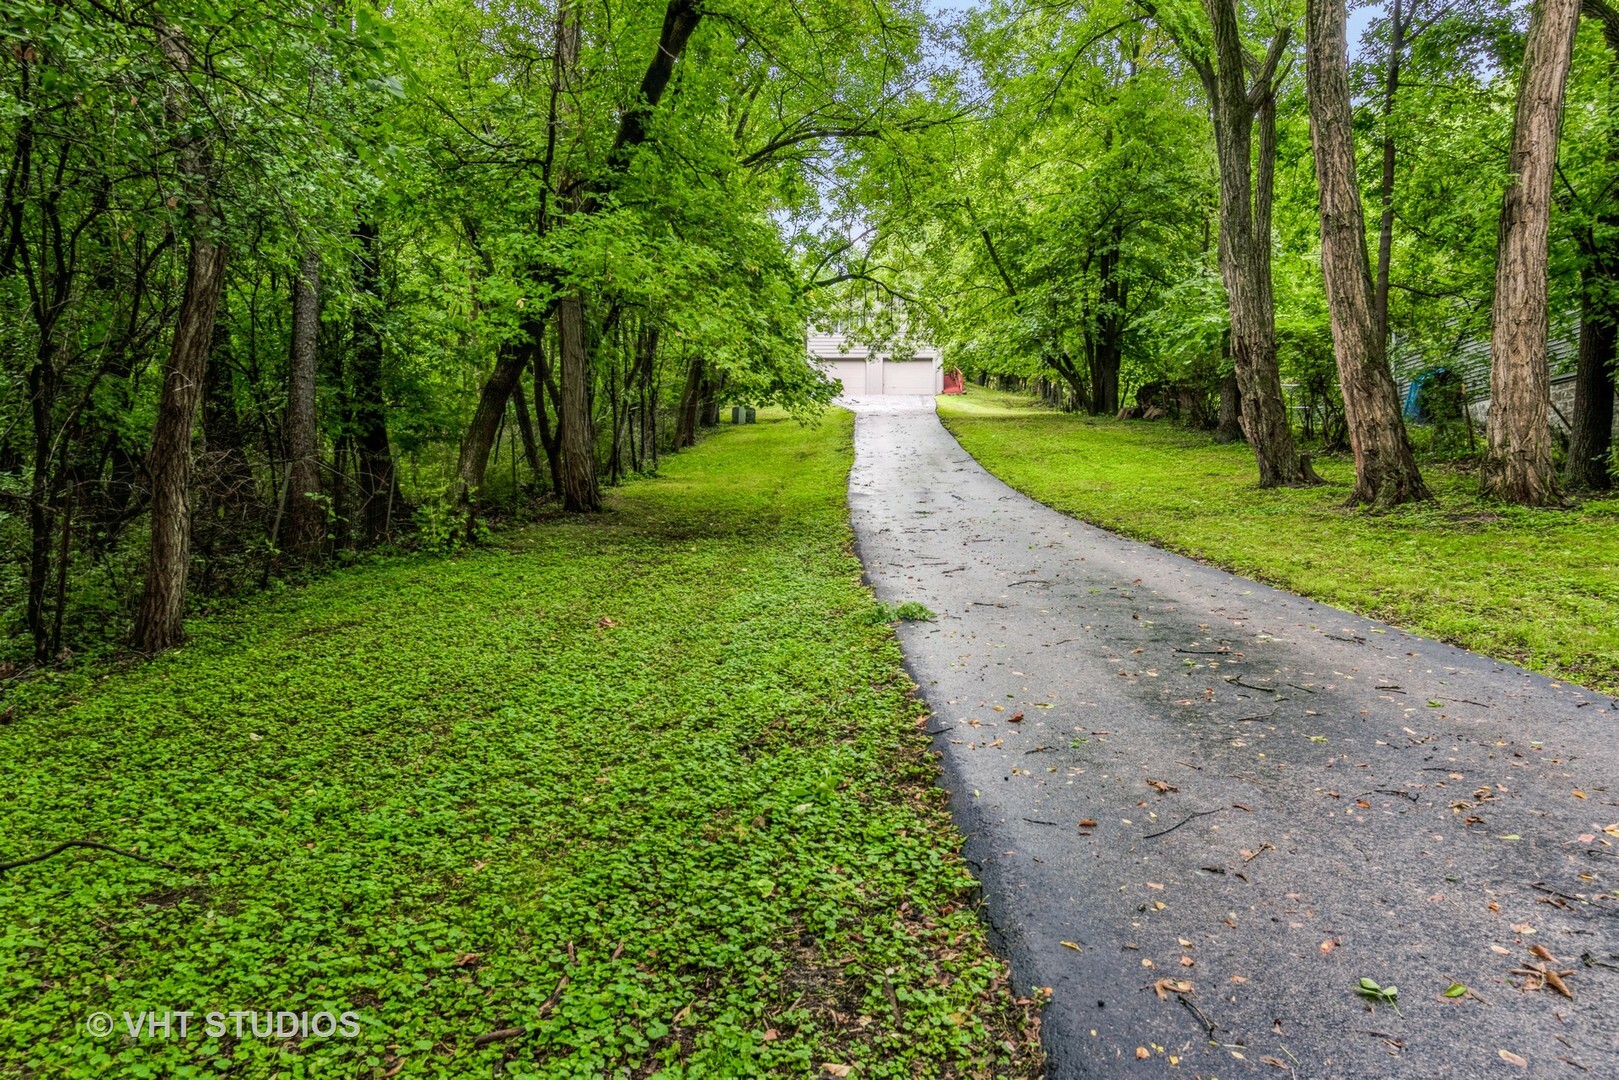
[1468,361]
[863,372]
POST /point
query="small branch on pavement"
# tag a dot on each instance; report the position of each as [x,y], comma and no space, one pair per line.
[1172,828]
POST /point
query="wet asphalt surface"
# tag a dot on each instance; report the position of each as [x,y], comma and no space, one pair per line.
[1168,772]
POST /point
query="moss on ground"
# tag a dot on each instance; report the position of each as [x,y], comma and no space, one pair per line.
[1537,587]
[649,786]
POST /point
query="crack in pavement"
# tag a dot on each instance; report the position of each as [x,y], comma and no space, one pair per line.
[1362,833]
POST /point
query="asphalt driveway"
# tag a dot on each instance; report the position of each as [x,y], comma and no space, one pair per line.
[1203,809]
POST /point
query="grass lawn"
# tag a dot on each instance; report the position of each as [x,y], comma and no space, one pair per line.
[648,786]
[1537,587]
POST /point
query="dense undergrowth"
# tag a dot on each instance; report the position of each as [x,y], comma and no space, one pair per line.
[1536,587]
[648,786]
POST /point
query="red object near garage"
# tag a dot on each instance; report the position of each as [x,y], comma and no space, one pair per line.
[953,382]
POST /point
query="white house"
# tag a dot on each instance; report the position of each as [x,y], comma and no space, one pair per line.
[863,372]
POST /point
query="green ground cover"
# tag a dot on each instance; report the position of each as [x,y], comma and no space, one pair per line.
[1537,587]
[649,786]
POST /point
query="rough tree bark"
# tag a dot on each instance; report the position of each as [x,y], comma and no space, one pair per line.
[525,428]
[160,619]
[546,391]
[512,360]
[1237,107]
[1518,453]
[691,401]
[306,517]
[1386,472]
[579,490]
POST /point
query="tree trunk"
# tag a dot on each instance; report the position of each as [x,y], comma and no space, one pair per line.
[691,400]
[579,491]
[1108,352]
[160,619]
[1385,470]
[711,401]
[159,623]
[525,428]
[1590,441]
[512,360]
[1245,200]
[1518,453]
[546,390]
[376,476]
[306,517]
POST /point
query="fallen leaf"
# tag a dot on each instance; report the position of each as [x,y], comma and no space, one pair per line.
[1158,905]
[771,1035]
[1015,718]
[1554,979]
[1087,824]
[1142,1053]
[1513,1059]
[466,959]
[1544,953]
[1273,1062]
[1500,950]
[1164,987]
[1578,794]
[1070,945]
[1146,962]
[1160,786]
[832,1069]
[1187,961]
[1523,928]
[1329,945]
[1455,990]
[1184,943]
[1154,885]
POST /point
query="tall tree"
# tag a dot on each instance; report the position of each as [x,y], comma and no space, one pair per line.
[159,621]
[1518,462]
[306,516]
[1242,108]
[1386,471]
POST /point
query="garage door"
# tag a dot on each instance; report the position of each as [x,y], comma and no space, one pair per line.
[852,373]
[908,377]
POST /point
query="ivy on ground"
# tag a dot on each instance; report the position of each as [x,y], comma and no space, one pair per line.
[649,786]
